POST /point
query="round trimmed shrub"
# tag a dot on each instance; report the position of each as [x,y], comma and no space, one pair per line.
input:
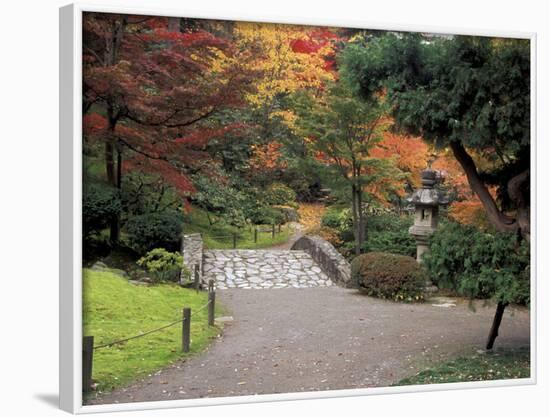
[155,230]
[280,194]
[164,265]
[389,276]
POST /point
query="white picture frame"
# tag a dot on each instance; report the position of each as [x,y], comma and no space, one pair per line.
[70,153]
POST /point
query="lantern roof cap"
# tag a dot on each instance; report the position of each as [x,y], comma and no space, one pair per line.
[427,195]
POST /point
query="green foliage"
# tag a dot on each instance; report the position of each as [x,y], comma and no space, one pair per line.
[114,309]
[143,193]
[280,194]
[469,89]
[222,199]
[100,204]
[390,276]
[345,129]
[386,232]
[265,215]
[479,265]
[155,230]
[481,367]
[390,233]
[472,91]
[339,219]
[302,174]
[164,265]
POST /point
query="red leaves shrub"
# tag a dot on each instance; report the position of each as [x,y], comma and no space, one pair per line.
[390,276]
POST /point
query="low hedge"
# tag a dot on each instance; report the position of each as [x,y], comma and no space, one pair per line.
[389,276]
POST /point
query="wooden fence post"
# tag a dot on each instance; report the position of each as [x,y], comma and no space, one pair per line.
[279,227]
[87,362]
[211,306]
[273,231]
[255,235]
[234,240]
[197,278]
[186,330]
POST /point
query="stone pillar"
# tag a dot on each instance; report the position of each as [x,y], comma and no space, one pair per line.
[191,249]
[426,202]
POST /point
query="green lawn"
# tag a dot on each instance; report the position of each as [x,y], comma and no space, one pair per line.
[488,366]
[115,309]
[220,236]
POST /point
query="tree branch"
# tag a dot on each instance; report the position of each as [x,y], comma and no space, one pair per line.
[165,121]
[501,221]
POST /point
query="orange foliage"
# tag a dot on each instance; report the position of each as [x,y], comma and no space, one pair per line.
[410,153]
[469,212]
[267,157]
[452,174]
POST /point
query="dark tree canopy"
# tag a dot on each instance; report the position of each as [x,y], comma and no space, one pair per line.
[471,94]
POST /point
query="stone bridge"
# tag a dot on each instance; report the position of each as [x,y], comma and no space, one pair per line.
[312,262]
[263,269]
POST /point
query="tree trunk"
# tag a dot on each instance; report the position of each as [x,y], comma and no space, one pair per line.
[493,333]
[115,221]
[362,231]
[119,169]
[501,221]
[355,218]
[110,163]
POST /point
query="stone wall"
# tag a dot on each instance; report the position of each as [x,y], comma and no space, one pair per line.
[192,249]
[327,257]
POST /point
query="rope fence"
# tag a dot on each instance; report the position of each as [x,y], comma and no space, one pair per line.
[88,347]
[274,229]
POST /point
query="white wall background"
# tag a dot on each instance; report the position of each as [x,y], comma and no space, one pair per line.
[29,201]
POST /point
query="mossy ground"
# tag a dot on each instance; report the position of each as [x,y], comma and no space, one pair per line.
[114,309]
[505,364]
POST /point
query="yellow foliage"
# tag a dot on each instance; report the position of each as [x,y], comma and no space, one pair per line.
[281,70]
[311,215]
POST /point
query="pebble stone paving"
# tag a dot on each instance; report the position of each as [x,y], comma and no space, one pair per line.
[263,269]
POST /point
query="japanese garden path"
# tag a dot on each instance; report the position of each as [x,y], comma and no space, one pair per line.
[321,338]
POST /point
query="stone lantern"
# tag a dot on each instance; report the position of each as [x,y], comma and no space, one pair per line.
[426,202]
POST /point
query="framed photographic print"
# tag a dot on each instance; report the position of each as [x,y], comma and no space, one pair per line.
[256,210]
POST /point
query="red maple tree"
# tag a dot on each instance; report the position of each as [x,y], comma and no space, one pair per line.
[151,94]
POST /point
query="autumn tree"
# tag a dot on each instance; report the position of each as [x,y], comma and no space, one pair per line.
[470,94]
[342,131]
[151,93]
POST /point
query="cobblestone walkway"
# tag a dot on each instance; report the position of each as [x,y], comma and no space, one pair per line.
[262,269]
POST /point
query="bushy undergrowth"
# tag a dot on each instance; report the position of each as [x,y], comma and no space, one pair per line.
[280,194]
[390,233]
[163,265]
[155,230]
[386,232]
[390,276]
[478,264]
[100,204]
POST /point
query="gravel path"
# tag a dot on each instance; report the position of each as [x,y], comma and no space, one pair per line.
[292,340]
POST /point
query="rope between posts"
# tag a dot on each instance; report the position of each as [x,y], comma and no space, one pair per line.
[203,307]
[116,342]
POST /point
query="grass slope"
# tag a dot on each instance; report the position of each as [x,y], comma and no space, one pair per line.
[220,235]
[481,367]
[115,309]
